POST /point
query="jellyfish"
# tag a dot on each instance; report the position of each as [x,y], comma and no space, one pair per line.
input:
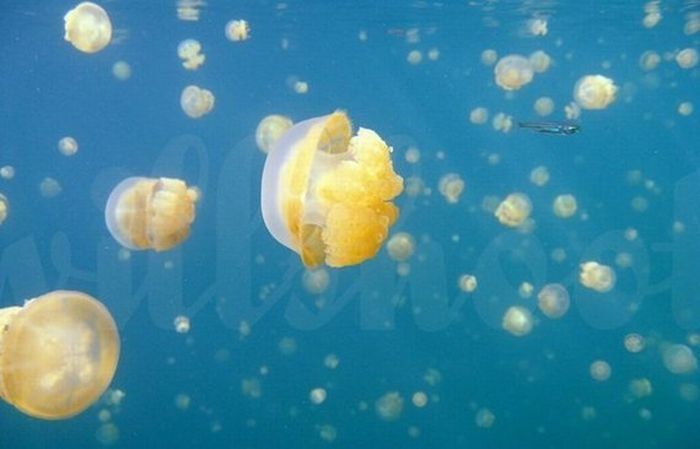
[553,301]
[196,101]
[518,321]
[594,92]
[514,210]
[598,277]
[269,131]
[401,246]
[564,206]
[88,27]
[59,354]
[327,194]
[237,30]
[68,146]
[4,208]
[513,72]
[150,213]
[189,51]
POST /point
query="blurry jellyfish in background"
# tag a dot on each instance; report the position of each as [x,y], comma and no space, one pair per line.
[540,61]
[467,283]
[502,122]
[49,187]
[525,290]
[59,354]
[564,206]
[518,321]
[196,101]
[150,213]
[88,27]
[692,23]
[539,176]
[412,155]
[181,324]
[514,210]
[433,54]
[640,388]
[685,108]
[544,106]
[484,418]
[489,57]
[419,399]
[414,57]
[572,111]
[689,392]
[327,194]
[652,14]
[7,172]
[327,433]
[4,208]
[634,343]
[182,401]
[594,92]
[649,60]
[687,58]
[479,116]
[451,187]
[536,26]
[513,72]
[316,281]
[595,276]
[121,70]
[188,10]
[389,406]
[68,146]
[600,370]
[679,359]
[189,51]
[553,301]
[107,434]
[269,131]
[237,30]
[401,246]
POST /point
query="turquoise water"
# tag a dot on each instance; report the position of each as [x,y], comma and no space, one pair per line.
[259,342]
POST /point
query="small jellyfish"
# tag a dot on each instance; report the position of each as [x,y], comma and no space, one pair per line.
[59,354]
[687,58]
[237,30]
[640,388]
[327,194]
[414,57]
[451,187]
[121,70]
[419,399]
[4,208]
[544,106]
[685,108]
[536,26]
[518,321]
[564,206]
[412,155]
[489,57]
[150,213]
[649,60]
[316,281]
[401,246]
[479,115]
[389,406]
[68,146]
[514,210]
[600,370]
[539,176]
[467,283]
[553,301]
[189,51]
[317,396]
[679,359]
[484,418]
[525,290]
[540,61]
[196,101]
[88,27]
[7,172]
[182,324]
[594,92]
[49,187]
[513,72]
[598,277]
[269,130]
[502,122]
[634,343]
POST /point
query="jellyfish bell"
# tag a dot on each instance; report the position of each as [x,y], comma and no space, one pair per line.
[88,27]
[58,354]
[327,194]
[150,213]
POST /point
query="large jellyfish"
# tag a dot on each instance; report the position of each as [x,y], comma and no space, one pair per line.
[58,354]
[150,213]
[327,194]
[88,27]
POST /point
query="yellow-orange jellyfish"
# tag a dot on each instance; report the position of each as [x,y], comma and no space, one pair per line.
[514,210]
[598,277]
[58,354]
[150,213]
[196,101]
[513,72]
[88,27]
[327,194]
[595,92]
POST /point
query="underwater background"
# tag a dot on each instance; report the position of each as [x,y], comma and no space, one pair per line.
[405,358]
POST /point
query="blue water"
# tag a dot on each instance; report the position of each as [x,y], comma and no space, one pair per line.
[387,331]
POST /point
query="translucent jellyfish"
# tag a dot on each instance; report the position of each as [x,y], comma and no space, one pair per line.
[600,370]
[514,210]
[564,206]
[88,27]
[540,61]
[451,187]
[502,122]
[150,213]
[518,321]
[107,434]
[59,354]
[121,70]
[49,187]
[640,388]
[679,359]
[316,281]
[414,57]
[513,72]
[536,26]
[594,92]
[572,111]
[525,290]
[317,396]
[544,106]
[237,30]
[68,146]
[489,57]
[269,130]
[467,283]
[595,276]
[479,116]
[189,51]
[196,101]
[687,58]
[182,401]
[685,108]
[539,176]
[7,172]
[649,60]
[182,324]
[433,54]
[327,194]
[484,418]
[412,155]
[331,361]
[401,246]
[327,433]
[389,406]
[4,208]
[419,399]
[553,301]
[188,10]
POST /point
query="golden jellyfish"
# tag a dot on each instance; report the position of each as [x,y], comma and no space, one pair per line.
[564,206]
[58,354]
[88,27]
[598,277]
[553,301]
[196,101]
[237,30]
[600,370]
[150,213]
[189,51]
[401,246]
[513,72]
[517,321]
[68,146]
[4,208]
[451,187]
[269,131]
[514,210]
[327,194]
[539,176]
[544,106]
[687,58]
[594,92]
[540,61]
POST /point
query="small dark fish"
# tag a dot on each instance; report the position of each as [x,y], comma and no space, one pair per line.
[560,128]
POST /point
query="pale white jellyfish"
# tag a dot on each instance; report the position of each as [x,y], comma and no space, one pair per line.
[479,115]
[269,130]
[687,58]
[514,210]
[525,290]
[502,122]
[401,246]
[4,208]
[595,92]
[539,176]
[87,27]
[640,388]
[544,106]
[414,57]
[451,187]
[540,61]
[518,321]
[7,172]
[318,396]
[564,206]
[685,108]
[121,70]
[600,370]
[389,406]
[237,30]
[68,146]
[49,187]
[412,155]
[467,283]
[553,300]
[181,324]
[484,418]
[189,51]
[679,359]
[649,60]
[301,87]
[537,26]
[316,281]
[489,57]
[595,276]
[572,111]
[196,101]
[513,72]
